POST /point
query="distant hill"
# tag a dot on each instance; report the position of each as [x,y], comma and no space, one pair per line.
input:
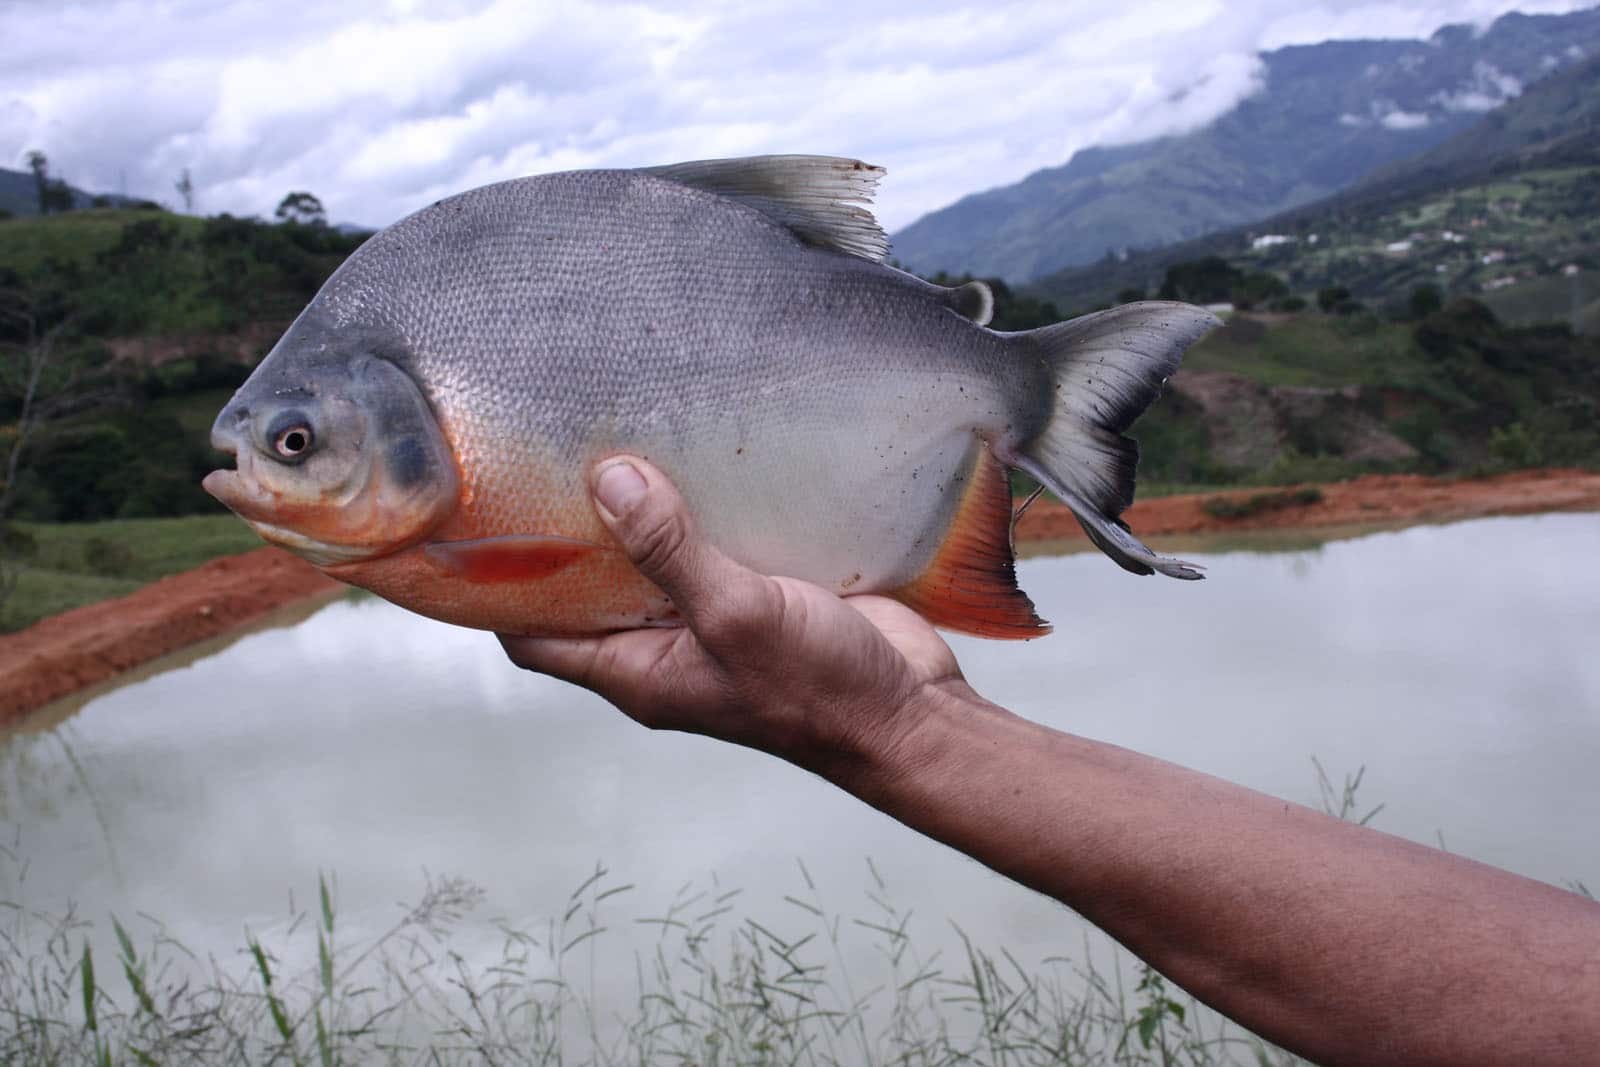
[1514,197]
[19,195]
[1328,115]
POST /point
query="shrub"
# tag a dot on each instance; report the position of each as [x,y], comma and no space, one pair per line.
[107,558]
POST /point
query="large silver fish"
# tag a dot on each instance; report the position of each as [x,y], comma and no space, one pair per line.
[425,427]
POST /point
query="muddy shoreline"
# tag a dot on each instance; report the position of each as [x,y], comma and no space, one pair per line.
[89,646]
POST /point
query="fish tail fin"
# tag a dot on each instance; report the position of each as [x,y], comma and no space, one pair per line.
[1106,368]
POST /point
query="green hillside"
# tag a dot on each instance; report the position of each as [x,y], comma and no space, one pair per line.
[129,273]
[1310,396]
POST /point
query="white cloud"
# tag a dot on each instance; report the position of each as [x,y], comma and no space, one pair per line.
[380,108]
[1488,89]
[1404,120]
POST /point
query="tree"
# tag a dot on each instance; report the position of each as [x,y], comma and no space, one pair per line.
[185,187]
[1260,287]
[302,208]
[31,323]
[39,163]
[1424,301]
[54,194]
[1209,280]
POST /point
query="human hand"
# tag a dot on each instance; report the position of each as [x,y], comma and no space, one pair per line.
[776,664]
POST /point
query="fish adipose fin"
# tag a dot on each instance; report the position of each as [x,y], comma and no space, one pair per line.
[974,301]
[1107,368]
[820,198]
[971,585]
[511,558]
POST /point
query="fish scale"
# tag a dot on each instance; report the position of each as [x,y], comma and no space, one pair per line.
[825,417]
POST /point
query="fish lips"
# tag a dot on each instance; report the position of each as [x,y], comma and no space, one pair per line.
[239,494]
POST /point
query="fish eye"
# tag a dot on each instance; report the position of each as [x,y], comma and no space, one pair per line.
[293,442]
[292,437]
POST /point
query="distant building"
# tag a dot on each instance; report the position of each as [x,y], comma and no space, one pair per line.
[1268,240]
[1312,239]
[1500,282]
[1397,248]
[1498,255]
[1452,236]
[1571,270]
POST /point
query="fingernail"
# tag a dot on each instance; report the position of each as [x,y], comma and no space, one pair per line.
[618,487]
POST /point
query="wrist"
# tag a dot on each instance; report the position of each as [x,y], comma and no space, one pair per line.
[890,755]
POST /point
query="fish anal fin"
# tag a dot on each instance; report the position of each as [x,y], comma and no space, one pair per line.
[971,585]
[510,558]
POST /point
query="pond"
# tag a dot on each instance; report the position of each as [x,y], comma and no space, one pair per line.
[1456,663]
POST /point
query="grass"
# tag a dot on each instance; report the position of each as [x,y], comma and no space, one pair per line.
[73,237]
[72,564]
[713,984]
[1326,351]
[1222,507]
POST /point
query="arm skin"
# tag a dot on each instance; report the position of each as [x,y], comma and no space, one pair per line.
[1339,943]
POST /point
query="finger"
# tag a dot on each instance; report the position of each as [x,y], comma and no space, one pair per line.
[910,634]
[650,520]
[571,659]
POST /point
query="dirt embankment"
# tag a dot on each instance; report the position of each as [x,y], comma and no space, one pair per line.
[76,649]
[80,648]
[1376,499]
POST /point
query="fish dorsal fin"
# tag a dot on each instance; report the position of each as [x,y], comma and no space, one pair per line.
[819,198]
[975,301]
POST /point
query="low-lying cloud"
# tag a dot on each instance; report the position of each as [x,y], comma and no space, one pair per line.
[380,108]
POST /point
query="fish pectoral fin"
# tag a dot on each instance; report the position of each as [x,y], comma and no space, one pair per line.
[819,198]
[971,585]
[510,558]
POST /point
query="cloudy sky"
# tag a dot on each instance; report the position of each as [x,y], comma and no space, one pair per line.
[381,106]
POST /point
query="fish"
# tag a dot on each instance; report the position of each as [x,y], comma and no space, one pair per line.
[426,426]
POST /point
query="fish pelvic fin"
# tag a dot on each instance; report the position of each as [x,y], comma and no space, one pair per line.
[509,558]
[823,200]
[971,585]
[1105,369]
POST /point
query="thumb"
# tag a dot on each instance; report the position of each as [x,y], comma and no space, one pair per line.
[648,517]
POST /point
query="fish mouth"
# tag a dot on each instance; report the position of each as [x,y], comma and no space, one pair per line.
[267,512]
[228,484]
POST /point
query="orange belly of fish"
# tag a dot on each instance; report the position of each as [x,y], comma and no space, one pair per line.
[556,572]
[593,592]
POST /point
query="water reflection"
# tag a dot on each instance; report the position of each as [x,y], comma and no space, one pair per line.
[1456,662]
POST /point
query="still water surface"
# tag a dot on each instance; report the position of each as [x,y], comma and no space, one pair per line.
[1460,664]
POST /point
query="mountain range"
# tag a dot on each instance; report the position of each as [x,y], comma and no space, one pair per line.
[1509,203]
[1326,117]
[19,195]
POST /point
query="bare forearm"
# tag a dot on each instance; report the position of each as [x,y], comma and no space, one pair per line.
[1341,943]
